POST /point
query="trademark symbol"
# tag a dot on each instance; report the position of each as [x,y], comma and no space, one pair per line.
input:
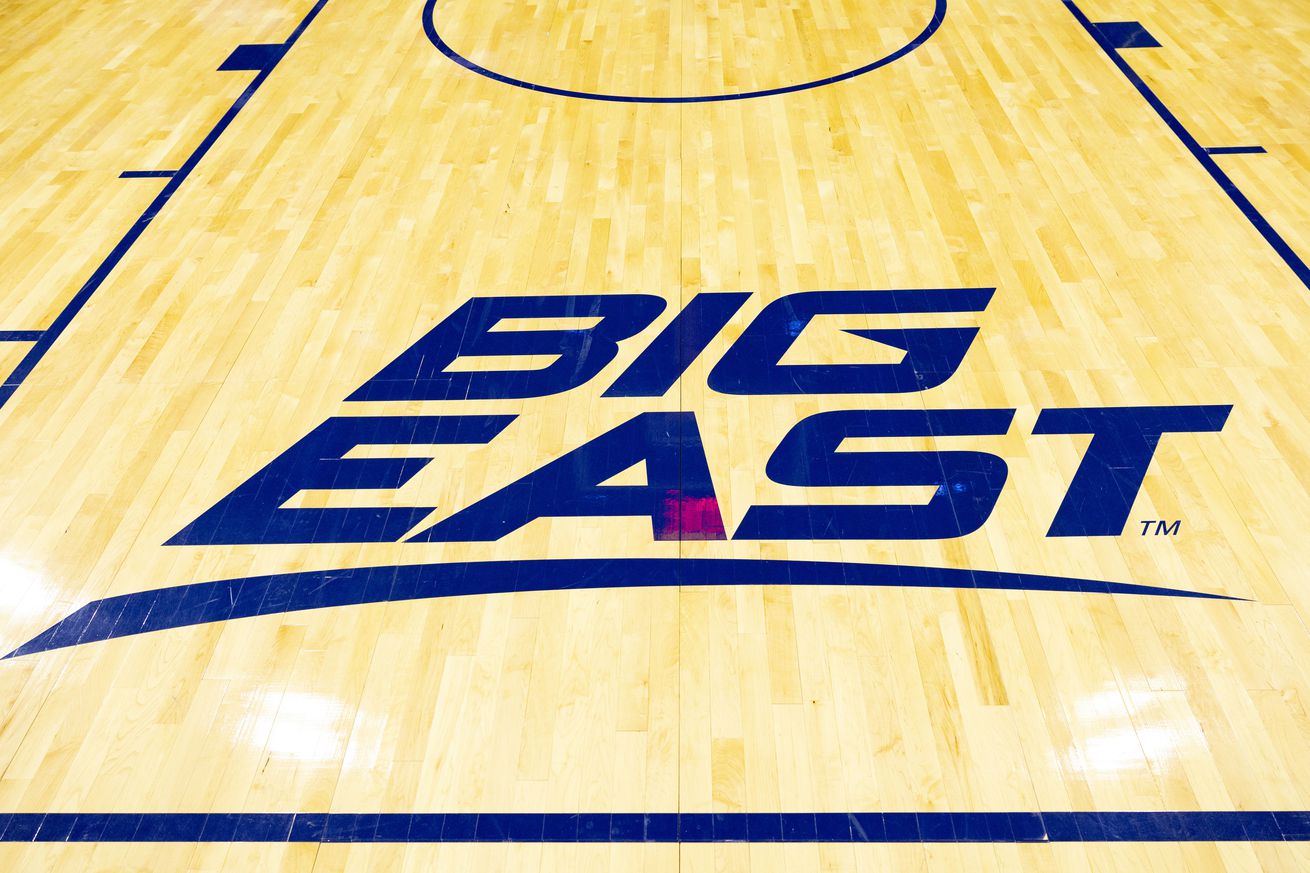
[1161,528]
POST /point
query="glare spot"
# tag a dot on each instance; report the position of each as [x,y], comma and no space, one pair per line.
[308,727]
[24,594]
[1116,747]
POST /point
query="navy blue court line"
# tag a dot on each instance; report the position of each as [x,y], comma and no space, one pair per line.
[147,174]
[430,28]
[667,827]
[223,600]
[1236,150]
[20,336]
[1253,215]
[74,306]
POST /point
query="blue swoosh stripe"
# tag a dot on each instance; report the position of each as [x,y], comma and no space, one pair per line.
[669,827]
[205,602]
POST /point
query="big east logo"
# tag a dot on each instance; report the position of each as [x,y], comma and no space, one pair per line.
[679,496]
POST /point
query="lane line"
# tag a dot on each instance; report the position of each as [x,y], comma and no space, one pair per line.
[1253,215]
[52,333]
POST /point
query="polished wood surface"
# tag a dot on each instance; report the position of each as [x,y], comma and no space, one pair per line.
[371,185]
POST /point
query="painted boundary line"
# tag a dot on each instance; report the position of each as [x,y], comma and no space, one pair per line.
[1253,215]
[672,827]
[52,333]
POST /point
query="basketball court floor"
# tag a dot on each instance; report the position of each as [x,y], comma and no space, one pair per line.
[818,435]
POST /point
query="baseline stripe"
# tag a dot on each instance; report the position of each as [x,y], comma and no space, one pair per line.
[206,602]
[740,827]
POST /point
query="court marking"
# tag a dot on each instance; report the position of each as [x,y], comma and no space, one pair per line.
[1236,150]
[669,827]
[1253,215]
[430,28]
[51,333]
[160,609]
[20,336]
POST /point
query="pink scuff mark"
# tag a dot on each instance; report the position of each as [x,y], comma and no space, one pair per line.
[684,517]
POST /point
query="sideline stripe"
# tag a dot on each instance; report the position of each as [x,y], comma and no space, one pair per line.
[206,602]
[147,174]
[671,827]
[74,306]
[1258,221]
[20,336]
[430,28]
